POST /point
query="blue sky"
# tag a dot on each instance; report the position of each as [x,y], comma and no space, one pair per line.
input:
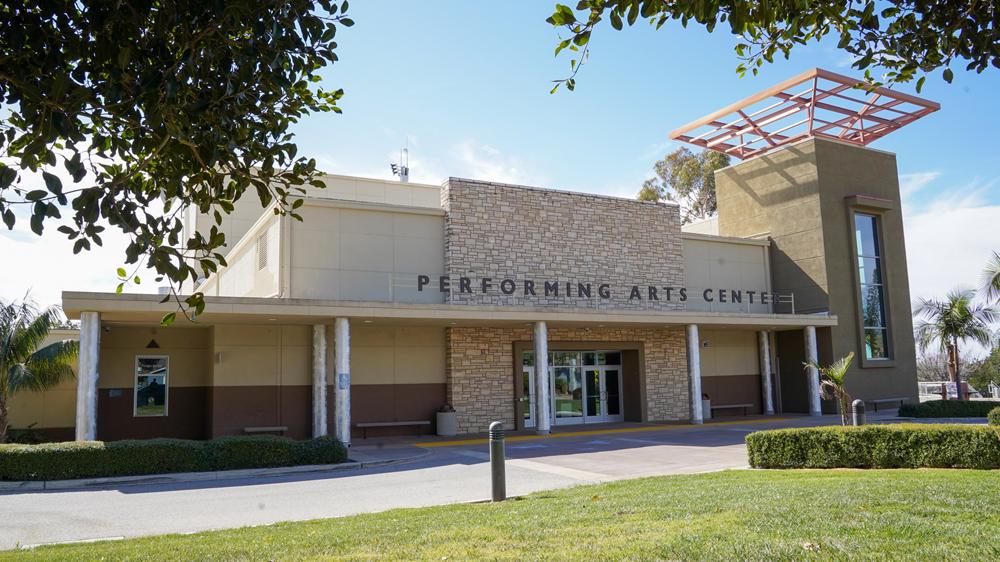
[466,86]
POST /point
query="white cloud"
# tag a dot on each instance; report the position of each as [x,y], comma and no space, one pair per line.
[467,159]
[910,184]
[949,238]
[44,266]
[482,161]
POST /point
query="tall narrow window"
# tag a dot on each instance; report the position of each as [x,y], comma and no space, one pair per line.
[151,374]
[872,290]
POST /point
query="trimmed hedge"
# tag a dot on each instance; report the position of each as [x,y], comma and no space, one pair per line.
[948,409]
[877,446]
[993,418]
[95,459]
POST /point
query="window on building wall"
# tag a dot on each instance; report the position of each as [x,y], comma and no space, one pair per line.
[151,380]
[872,290]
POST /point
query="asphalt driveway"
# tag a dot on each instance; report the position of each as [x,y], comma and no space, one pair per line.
[448,474]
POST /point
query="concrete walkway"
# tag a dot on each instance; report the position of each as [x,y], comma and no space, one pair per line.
[458,472]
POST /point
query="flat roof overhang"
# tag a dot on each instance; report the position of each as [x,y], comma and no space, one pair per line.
[148,310]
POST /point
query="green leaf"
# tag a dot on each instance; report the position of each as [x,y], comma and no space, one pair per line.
[36,224]
[52,183]
[948,75]
[168,318]
[121,272]
[616,20]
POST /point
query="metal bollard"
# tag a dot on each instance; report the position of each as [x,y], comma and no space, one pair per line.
[858,412]
[497,457]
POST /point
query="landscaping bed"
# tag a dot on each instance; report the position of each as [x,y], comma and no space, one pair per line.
[95,459]
[735,515]
[877,446]
[948,409]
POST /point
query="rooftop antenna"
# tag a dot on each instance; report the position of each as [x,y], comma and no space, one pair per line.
[403,168]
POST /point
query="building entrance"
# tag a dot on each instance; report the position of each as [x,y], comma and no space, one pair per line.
[585,387]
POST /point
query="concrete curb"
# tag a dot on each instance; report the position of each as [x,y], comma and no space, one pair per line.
[181,477]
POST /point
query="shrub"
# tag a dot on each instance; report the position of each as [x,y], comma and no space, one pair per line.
[994,416]
[93,459]
[876,446]
[948,409]
[245,451]
[321,450]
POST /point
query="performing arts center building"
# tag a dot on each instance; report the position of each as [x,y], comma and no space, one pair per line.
[536,307]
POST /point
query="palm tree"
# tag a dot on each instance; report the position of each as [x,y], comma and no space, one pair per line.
[991,278]
[23,365]
[951,322]
[832,384]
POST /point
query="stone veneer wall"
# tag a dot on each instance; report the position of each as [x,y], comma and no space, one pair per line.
[479,367]
[521,233]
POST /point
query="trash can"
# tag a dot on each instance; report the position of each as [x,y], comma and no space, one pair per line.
[447,421]
[706,407]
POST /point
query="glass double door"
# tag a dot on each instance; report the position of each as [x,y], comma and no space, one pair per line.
[584,387]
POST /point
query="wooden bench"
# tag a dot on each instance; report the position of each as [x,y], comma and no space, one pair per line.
[277,429]
[878,401]
[365,425]
[733,406]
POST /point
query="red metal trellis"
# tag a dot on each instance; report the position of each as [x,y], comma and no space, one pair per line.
[817,103]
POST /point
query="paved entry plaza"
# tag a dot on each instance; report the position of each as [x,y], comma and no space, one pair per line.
[440,471]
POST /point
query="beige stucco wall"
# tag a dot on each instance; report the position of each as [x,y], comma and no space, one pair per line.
[254,264]
[729,352]
[371,190]
[248,355]
[800,195]
[725,264]
[187,348]
[364,254]
[397,355]
[248,208]
[521,233]
[480,370]
[55,407]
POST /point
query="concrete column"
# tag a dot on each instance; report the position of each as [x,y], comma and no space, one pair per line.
[86,378]
[543,400]
[694,372]
[812,374]
[342,390]
[319,380]
[766,388]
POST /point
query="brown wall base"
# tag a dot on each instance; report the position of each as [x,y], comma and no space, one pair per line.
[733,389]
[185,417]
[237,407]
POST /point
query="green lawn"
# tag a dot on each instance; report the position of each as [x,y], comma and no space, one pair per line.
[735,515]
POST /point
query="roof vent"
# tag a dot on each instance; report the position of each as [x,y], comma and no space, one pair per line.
[262,251]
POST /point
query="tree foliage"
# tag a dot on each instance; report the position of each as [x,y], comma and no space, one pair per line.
[688,179]
[833,384]
[907,39]
[951,322]
[991,278]
[986,372]
[25,365]
[151,107]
